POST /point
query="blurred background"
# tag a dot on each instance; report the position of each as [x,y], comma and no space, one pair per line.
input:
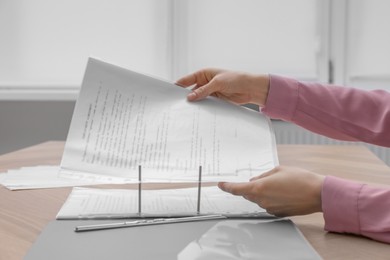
[45,45]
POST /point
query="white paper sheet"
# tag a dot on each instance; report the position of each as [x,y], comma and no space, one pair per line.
[2,177]
[123,119]
[45,176]
[120,203]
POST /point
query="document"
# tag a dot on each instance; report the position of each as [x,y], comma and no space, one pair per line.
[123,120]
[88,203]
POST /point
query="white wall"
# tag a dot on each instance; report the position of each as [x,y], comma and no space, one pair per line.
[25,123]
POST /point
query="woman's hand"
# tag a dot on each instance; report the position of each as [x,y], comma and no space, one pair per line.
[283,191]
[236,87]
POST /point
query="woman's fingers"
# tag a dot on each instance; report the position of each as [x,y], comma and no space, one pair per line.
[241,189]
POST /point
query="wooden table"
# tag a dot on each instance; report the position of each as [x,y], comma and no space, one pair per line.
[23,214]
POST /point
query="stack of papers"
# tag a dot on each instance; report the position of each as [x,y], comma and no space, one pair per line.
[123,120]
[87,203]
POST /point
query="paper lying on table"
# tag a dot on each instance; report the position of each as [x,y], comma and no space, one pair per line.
[120,203]
[124,119]
[45,176]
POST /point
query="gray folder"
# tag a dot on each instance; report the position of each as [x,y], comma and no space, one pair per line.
[214,239]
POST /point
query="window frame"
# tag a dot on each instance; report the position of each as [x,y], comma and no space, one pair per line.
[339,53]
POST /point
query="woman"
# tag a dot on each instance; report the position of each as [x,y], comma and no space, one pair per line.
[337,112]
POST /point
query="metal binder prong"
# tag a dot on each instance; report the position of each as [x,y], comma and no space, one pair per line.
[139,190]
[199,189]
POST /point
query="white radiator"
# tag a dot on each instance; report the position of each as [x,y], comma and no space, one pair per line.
[286,133]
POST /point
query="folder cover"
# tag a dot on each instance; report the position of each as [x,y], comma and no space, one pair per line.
[214,239]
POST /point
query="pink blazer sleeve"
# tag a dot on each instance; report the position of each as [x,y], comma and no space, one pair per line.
[345,114]
[337,112]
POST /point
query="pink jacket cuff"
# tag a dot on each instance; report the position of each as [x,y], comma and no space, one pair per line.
[340,205]
[282,91]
